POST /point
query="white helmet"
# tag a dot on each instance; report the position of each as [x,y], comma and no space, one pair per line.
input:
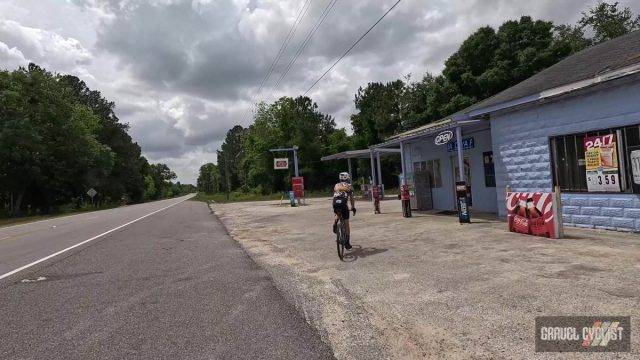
[344,176]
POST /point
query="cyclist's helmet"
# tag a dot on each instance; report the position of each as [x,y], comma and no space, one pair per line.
[345,177]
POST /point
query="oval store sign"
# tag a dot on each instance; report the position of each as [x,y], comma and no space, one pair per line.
[444,137]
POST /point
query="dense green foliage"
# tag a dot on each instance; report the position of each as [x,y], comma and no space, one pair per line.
[245,162]
[58,139]
[209,179]
[606,21]
[487,62]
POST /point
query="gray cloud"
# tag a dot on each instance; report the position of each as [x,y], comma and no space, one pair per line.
[184,46]
[24,44]
[182,72]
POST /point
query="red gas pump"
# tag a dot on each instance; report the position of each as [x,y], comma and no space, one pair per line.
[405,199]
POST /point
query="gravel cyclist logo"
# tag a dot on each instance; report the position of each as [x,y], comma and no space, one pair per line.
[583,334]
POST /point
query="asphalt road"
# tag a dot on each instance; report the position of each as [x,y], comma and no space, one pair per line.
[172,285]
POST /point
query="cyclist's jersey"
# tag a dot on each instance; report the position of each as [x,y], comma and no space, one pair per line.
[342,189]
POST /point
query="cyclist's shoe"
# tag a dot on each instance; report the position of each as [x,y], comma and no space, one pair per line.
[348,246]
[335,228]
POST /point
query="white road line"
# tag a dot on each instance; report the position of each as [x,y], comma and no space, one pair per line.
[121,208]
[86,241]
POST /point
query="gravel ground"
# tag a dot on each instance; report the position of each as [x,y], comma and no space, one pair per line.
[428,287]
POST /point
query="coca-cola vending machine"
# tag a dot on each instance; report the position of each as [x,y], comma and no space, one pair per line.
[462,194]
[405,200]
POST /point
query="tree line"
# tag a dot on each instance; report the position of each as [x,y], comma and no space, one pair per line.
[58,139]
[487,62]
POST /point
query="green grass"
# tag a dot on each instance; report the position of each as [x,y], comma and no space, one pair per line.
[8,221]
[65,210]
[234,197]
[241,197]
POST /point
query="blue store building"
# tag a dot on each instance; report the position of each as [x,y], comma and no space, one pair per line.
[543,132]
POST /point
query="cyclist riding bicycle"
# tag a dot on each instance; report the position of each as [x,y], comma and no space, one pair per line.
[343,192]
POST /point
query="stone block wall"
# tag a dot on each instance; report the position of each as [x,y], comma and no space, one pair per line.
[522,157]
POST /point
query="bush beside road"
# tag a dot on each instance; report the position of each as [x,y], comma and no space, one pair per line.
[430,287]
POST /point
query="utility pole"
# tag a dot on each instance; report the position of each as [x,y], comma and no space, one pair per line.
[226,174]
[295,160]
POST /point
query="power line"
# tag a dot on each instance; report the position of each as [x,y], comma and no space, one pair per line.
[283,47]
[351,47]
[307,40]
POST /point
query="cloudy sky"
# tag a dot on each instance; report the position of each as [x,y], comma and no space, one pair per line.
[182,72]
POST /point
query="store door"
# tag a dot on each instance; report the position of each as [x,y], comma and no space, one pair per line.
[424,199]
[456,177]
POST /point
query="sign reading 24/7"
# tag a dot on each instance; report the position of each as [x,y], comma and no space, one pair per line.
[467,143]
[601,162]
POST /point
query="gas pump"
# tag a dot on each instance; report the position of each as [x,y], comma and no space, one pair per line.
[405,199]
[376,194]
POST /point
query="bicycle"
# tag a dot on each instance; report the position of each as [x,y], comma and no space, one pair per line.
[341,237]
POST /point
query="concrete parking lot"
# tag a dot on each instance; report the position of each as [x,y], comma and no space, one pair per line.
[428,287]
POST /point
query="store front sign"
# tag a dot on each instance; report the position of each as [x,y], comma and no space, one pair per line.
[444,137]
[467,143]
[601,161]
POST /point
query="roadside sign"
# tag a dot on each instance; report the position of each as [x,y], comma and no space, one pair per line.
[92,192]
[281,163]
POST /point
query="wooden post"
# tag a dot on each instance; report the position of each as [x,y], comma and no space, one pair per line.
[460,155]
[557,218]
[373,169]
[402,166]
[379,171]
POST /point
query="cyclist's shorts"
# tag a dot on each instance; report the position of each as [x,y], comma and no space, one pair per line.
[340,207]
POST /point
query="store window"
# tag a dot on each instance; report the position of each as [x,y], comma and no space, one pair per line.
[607,160]
[433,168]
[489,169]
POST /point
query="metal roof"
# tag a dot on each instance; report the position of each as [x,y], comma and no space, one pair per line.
[429,129]
[359,154]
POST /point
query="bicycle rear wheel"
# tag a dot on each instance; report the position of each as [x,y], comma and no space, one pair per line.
[340,239]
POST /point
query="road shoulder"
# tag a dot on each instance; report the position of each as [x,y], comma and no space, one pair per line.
[428,286]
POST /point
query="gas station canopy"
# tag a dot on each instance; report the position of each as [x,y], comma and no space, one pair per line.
[359,154]
[364,154]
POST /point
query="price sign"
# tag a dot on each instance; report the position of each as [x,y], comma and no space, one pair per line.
[601,161]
